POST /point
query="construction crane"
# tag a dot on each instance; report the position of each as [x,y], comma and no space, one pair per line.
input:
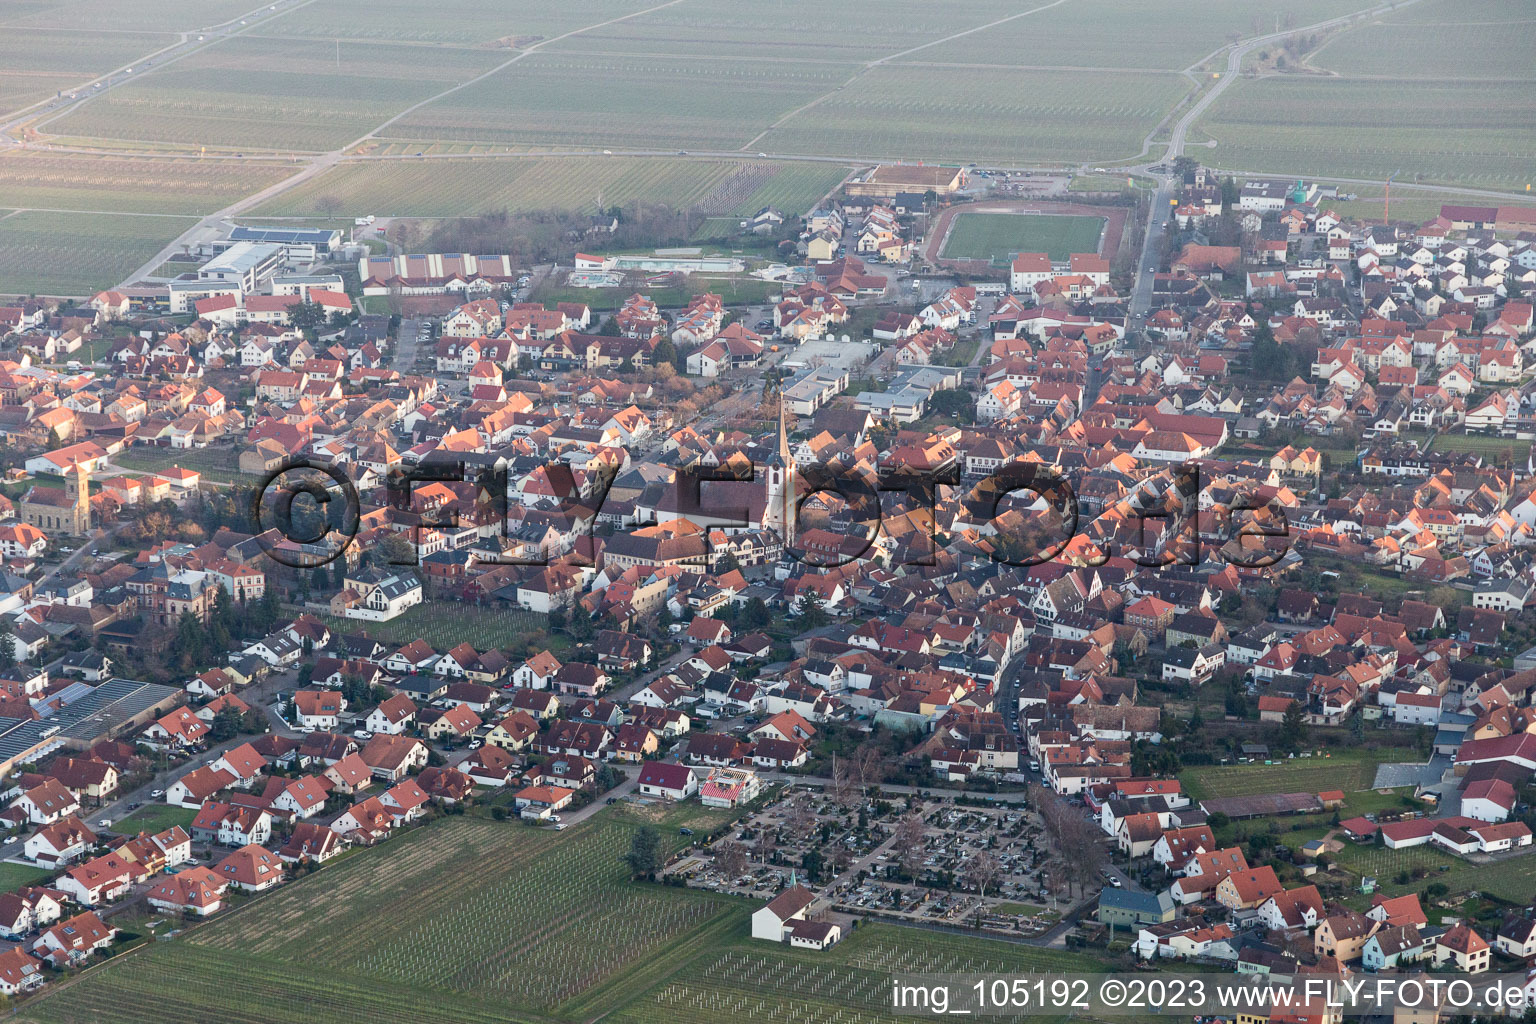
[1386,213]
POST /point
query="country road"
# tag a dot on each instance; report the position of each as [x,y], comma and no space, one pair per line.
[1141,294]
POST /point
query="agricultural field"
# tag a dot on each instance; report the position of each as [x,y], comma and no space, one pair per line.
[471,921]
[1442,132]
[39,62]
[464,920]
[784,29]
[56,181]
[1512,879]
[645,102]
[849,983]
[452,188]
[263,94]
[1112,35]
[123,15]
[1436,39]
[77,253]
[1002,116]
[498,28]
[998,236]
[179,983]
[1351,770]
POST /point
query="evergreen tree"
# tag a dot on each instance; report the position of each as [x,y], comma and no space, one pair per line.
[1293,728]
[644,855]
[7,645]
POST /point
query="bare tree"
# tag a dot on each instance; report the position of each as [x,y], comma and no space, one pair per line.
[984,871]
[869,761]
[911,831]
[845,787]
[767,843]
[329,205]
[801,820]
[731,858]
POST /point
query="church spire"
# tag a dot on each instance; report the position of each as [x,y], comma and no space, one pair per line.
[783,436]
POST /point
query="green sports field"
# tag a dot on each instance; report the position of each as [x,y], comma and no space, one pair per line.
[997,236]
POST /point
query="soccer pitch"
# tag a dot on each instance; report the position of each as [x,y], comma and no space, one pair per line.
[997,236]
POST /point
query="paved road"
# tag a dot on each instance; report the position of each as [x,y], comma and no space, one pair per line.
[1141,296]
[407,343]
[187,43]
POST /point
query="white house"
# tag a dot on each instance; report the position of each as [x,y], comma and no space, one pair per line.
[391,597]
[773,921]
[671,781]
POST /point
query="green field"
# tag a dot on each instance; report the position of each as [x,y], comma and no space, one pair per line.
[77,253]
[13,876]
[1351,770]
[469,23]
[725,30]
[40,180]
[444,624]
[850,982]
[254,93]
[1018,118]
[1441,131]
[1436,38]
[1497,451]
[474,921]
[217,465]
[999,236]
[40,62]
[153,818]
[1110,35]
[1513,879]
[452,188]
[644,101]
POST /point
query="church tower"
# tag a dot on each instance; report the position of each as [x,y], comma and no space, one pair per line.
[779,510]
[77,491]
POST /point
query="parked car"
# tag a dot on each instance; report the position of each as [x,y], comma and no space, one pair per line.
[156,794]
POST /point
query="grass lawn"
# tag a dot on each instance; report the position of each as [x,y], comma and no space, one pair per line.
[1351,770]
[13,876]
[1105,183]
[154,818]
[997,236]
[171,268]
[961,354]
[1496,451]
[444,624]
[218,465]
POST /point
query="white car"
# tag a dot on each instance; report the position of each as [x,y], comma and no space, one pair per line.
[104,823]
[156,794]
[559,828]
